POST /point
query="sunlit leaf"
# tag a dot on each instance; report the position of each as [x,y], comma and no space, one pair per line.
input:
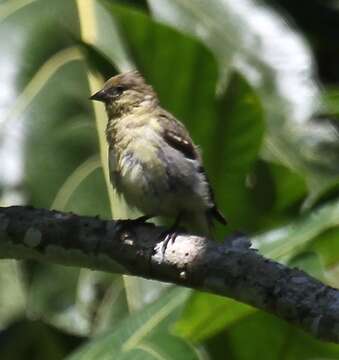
[284,242]
[95,21]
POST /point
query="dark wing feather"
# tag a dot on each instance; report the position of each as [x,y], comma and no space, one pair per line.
[181,144]
[176,135]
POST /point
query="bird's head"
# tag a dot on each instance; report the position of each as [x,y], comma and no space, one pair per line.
[123,93]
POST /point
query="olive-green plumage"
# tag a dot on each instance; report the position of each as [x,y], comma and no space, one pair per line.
[153,162]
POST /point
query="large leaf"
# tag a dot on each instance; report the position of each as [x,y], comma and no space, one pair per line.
[237,140]
[143,335]
[190,94]
[243,34]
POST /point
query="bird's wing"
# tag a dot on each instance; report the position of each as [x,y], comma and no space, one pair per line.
[176,135]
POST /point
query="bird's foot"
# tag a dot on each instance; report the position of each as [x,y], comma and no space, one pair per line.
[167,237]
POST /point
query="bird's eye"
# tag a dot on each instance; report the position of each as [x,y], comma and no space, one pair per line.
[119,89]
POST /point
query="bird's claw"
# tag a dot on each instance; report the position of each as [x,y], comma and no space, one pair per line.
[168,238]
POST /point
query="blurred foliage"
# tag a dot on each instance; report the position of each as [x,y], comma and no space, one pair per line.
[244,82]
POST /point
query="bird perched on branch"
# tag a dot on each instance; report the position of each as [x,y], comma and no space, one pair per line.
[153,162]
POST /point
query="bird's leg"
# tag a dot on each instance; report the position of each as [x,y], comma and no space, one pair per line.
[170,235]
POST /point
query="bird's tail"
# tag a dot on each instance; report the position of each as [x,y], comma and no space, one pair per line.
[215,213]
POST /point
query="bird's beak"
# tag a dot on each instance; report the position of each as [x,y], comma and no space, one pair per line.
[100,96]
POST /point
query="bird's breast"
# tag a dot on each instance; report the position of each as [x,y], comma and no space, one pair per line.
[140,173]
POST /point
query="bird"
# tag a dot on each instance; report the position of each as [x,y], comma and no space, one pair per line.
[153,162]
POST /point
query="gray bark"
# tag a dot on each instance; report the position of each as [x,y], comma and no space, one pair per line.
[230,269]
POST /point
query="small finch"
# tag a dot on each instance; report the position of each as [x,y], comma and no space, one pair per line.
[153,162]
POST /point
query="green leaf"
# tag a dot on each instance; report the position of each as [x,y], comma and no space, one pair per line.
[331,101]
[205,315]
[236,143]
[309,262]
[100,31]
[13,294]
[143,334]
[290,188]
[264,336]
[51,296]
[287,241]
[327,246]
[54,141]
[162,345]
[77,194]
[190,94]
[100,300]
[78,301]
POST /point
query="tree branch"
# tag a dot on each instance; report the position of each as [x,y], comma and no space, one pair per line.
[231,269]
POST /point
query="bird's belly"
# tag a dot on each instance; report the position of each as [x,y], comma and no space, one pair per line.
[141,180]
[138,190]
